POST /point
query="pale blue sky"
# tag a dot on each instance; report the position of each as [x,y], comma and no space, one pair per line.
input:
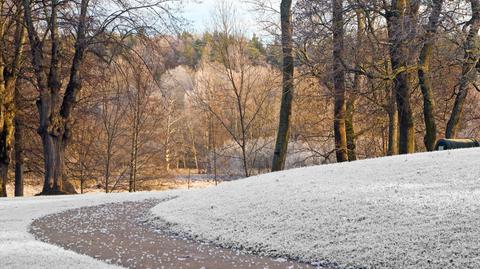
[200,13]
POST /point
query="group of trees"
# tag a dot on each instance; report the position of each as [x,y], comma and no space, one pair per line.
[398,53]
[43,50]
[107,95]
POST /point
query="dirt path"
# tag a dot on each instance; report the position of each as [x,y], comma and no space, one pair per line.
[116,234]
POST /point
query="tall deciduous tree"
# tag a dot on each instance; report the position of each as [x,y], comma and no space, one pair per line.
[469,71]
[281,145]
[424,75]
[402,28]
[392,111]
[358,85]
[55,111]
[19,142]
[56,103]
[339,82]
[10,64]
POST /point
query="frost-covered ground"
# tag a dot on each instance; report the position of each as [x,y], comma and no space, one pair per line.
[19,249]
[415,211]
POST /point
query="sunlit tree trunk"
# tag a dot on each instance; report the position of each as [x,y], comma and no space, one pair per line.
[358,84]
[469,72]
[9,71]
[281,145]
[54,111]
[424,76]
[392,123]
[402,30]
[339,127]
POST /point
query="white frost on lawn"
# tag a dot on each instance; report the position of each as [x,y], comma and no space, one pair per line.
[415,211]
[19,249]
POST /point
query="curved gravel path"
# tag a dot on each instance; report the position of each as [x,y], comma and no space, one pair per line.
[117,234]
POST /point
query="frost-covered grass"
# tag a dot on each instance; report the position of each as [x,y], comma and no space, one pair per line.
[19,249]
[415,211]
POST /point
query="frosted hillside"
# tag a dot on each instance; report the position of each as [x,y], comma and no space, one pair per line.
[415,211]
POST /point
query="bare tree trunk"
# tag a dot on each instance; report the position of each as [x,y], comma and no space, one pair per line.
[168,153]
[134,146]
[107,164]
[4,176]
[358,83]
[194,147]
[401,31]
[54,127]
[4,128]
[19,159]
[244,161]
[210,146]
[469,72]
[424,76]
[392,123]
[339,127]
[59,151]
[350,129]
[8,80]
[82,181]
[133,158]
[281,145]
[243,136]
[133,171]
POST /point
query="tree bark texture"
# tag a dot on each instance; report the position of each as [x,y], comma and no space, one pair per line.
[424,76]
[283,134]
[55,111]
[358,84]
[9,69]
[469,72]
[402,20]
[339,127]
[19,149]
[392,123]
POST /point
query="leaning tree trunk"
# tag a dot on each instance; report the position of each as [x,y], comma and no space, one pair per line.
[424,76]
[402,31]
[469,72]
[339,127]
[281,145]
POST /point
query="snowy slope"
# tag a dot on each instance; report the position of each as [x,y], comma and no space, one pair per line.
[19,249]
[416,211]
